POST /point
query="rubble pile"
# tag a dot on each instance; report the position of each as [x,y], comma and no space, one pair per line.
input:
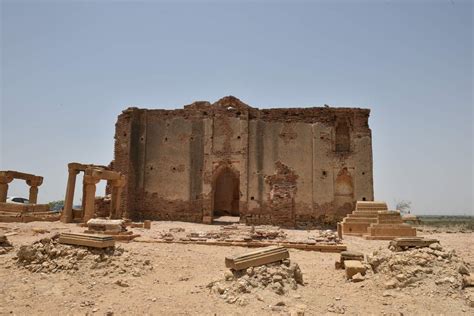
[277,277]
[203,236]
[327,236]
[5,245]
[168,236]
[428,267]
[47,255]
[237,232]
[266,232]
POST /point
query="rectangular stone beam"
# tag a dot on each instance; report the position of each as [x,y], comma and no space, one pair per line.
[21,175]
[102,174]
[82,167]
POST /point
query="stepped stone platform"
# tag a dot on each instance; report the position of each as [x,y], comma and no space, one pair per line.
[362,217]
[389,226]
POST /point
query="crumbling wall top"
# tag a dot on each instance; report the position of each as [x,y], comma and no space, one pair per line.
[232,106]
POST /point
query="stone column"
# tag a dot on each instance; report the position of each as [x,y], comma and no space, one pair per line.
[69,199]
[89,207]
[33,197]
[117,187]
[4,181]
[34,184]
[83,199]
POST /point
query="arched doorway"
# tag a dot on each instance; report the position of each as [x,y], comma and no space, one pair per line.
[226,193]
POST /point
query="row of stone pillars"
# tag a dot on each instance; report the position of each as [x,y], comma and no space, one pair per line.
[8,176]
[92,175]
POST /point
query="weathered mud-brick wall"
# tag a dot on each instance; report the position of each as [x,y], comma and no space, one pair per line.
[102,206]
[290,167]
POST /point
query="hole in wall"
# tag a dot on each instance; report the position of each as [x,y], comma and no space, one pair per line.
[252,198]
[363,173]
[204,113]
[238,137]
[324,173]
[124,134]
[364,199]
[237,114]
[166,139]
[142,138]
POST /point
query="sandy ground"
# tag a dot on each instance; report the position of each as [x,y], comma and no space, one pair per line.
[177,283]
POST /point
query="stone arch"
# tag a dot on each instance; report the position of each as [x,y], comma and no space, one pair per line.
[343,138]
[343,188]
[226,192]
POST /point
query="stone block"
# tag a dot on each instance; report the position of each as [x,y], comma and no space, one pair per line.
[350,255]
[468,280]
[257,258]
[353,267]
[207,219]
[147,224]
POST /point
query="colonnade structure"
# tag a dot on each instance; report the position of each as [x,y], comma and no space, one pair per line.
[32,180]
[93,174]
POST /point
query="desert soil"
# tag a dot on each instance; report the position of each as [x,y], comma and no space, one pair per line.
[177,284]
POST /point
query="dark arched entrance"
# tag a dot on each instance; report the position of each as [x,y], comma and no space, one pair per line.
[226,193]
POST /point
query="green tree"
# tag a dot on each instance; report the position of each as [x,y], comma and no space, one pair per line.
[56,205]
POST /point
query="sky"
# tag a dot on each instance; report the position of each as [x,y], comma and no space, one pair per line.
[68,68]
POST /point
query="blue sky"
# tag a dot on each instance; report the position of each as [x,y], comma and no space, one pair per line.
[68,68]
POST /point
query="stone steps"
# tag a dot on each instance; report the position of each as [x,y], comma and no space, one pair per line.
[362,217]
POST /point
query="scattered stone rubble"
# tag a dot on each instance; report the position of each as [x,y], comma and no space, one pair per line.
[242,286]
[253,236]
[430,268]
[5,244]
[47,255]
[327,236]
[238,232]
[242,233]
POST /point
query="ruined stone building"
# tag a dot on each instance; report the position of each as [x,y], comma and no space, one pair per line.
[293,167]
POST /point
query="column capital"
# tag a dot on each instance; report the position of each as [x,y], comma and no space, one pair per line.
[119,182]
[5,179]
[88,179]
[34,182]
[73,170]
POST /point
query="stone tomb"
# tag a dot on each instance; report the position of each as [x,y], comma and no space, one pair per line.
[293,167]
[116,228]
[389,225]
[359,220]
